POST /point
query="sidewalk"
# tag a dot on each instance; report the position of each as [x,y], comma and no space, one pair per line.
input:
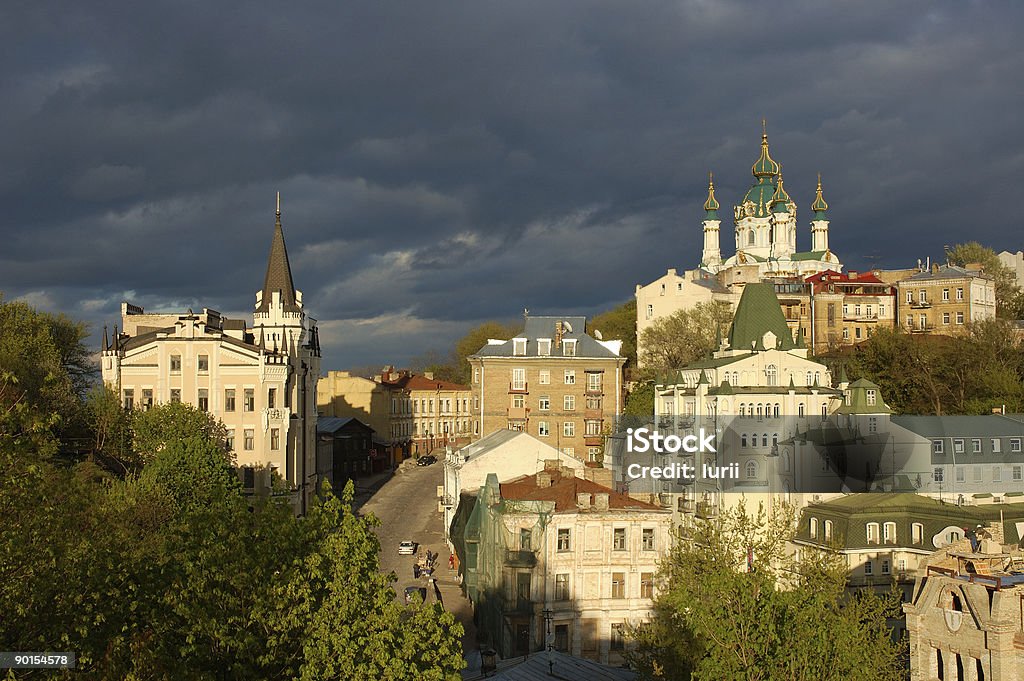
[457,604]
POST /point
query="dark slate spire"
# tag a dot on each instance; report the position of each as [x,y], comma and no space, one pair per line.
[279,272]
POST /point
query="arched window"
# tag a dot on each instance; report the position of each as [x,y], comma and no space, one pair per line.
[800,410]
[750,238]
[775,440]
[808,378]
[772,374]
[786,463]
[824,412]
[743,409]
[735,378]
[764,439]
[751,469]
[828,530]
[814,528]
[817,377]
[743,440]
[760,411]
[776,411]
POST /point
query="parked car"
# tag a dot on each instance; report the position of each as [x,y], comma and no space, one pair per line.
[407,548]
[410,591]
[426,460]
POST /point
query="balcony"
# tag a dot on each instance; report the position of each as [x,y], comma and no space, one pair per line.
[927,328]
[706,510]
[518,388]
[593,392]
[595,414]
[920,304]
[520,558]
[593,440]
[517,413]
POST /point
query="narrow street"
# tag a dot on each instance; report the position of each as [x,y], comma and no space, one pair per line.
[406,505]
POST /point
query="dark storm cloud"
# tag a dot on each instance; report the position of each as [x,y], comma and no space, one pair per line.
[444,163]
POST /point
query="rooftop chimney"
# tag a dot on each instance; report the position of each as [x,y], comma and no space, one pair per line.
[583,501]
[429,375]
[601,501]
[544,479]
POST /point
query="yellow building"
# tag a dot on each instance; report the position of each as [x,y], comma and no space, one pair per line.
[944,298]
[379,402]
[553,381]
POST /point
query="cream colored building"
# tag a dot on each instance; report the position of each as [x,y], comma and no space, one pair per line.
[557,544]
[554,381]
[440,409]
[765,230]
[379,402]
[944,298]
[260,380]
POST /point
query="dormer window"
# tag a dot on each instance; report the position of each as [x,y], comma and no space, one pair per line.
[518,346]
[544,346]
[871,397]
[569,348]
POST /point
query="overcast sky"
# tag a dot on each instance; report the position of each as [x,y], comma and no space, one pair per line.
[443,163]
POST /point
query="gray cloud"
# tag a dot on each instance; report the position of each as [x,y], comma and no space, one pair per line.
[445,163]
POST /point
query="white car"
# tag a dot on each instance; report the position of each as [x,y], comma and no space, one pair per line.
[406,548]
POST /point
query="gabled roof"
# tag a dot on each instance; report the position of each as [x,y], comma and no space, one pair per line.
[563,491]
[332,424]
[989,425]
[758,313]
[947,272]
[573,328]
[421,382]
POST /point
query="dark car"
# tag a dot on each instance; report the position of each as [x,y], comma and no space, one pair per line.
[410,591]
[426,460]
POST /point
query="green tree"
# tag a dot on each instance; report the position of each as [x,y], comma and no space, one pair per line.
[736,605]
[619,323]
[1008,294]
[154,429]
[672,342]
[640,400]
[477,338]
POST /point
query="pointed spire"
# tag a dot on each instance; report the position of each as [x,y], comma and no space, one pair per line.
[780,199]
[711,205]
[703,380]
[842,374]
[106,346]
[819,206]
[792,383]
[765,168]
[279,272]
[116,348]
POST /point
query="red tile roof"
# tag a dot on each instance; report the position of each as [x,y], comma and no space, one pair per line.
[563,491]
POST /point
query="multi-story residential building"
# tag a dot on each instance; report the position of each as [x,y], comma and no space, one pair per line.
[379,404]
[944,298]
[757,390]
[259,380]
[440,411]
[765,228]
[556,545]
[844,308]
[507,454]
[553,381]
[965,619]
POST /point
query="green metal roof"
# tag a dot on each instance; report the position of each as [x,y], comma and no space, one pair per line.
[819,206]
[808,255]
[759,312]
[780,199]
[858,398]
[711,205]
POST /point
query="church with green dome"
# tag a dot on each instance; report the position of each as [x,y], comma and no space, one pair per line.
[766,228]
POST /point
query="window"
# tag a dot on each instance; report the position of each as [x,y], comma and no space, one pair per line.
[650,311]
[846,333]
[594,382]
[175,394]
[1017,474]
[923,296]
[594,403]
[976,445]
[889,533]
[856,332]
[569,402]
[569,348]
[996,445]
[910,296]
[175,364]
[646,585]
[250,400]
[524,539]
[544,377]
[743,440]
[828,530]
[147,398]
[872,532]
[518,383]
[945,294]
[800,410]
[1015,445]
[618,641]
[271,398]
[647,540]
[922,321]
[917,533]
[869,569]
[619,539]
[229,441]
[591,427]
[564,539]
[129,398]
[885,567]
[997,474]
[593,454]
[936,446]
[203,364]
[959,317]
[772,374]
[959,294]
[476,374]
[518,401]
[518,346]
[544,403]
[570,377]
[204,399]
[751,470]
[618,585]
[569,451]
[945,318]
[937,475]
[229,399]
[544,346]
[542,429]
[961,475]
[910,320]
[977,474]
[562,587]
[250,439]
[872,424]
[958,446]
[275,438]
[569,429]
[562,638]
[814,528]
